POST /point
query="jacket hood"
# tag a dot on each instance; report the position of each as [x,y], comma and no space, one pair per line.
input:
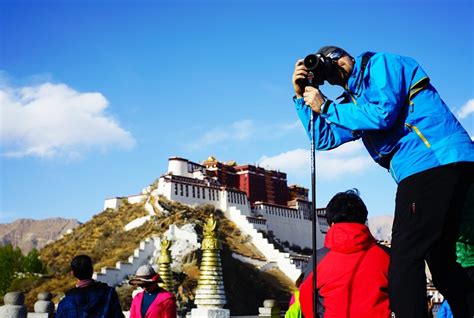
[348,238]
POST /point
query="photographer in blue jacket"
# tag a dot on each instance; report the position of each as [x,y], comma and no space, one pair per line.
[390,104]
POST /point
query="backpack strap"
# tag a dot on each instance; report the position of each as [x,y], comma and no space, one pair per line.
[320,254]
[365,60]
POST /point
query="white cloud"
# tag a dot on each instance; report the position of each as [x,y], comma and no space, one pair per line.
[330,165]
[237,131]
[49,120]
[243,130]
[294,162]
[467,109]
[290,127]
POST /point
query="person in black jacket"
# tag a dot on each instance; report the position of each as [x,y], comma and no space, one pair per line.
[89,298]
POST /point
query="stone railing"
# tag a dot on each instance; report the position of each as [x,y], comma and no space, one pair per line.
[15,306]
[44,308]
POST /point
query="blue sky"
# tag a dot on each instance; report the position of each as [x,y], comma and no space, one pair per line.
[96,95]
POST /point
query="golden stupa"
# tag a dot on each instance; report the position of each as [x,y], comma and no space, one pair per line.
[164,262]
[210,290]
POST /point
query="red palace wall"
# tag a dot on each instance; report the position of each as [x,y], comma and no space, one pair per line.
[262,185]
[259,184]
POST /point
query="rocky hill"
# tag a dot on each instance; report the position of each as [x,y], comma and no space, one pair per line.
[105,240]
[28,233]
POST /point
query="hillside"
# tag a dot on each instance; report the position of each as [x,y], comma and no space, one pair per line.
[104,239]
[28,233]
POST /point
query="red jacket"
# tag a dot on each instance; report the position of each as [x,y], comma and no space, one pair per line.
[352,276]
[164,306]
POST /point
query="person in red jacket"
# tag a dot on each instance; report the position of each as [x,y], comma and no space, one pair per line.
[352,269]
[153,301]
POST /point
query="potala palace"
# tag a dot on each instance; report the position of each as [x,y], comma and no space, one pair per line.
[257,200]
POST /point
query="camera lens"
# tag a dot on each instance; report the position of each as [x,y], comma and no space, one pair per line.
[311,62]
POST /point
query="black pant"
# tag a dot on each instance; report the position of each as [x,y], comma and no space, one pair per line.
[425,228]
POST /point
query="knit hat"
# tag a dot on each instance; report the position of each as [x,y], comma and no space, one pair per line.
[145,275]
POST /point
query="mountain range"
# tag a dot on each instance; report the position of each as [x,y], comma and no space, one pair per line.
[29,233]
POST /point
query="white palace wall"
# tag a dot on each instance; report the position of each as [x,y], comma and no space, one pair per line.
[197,193]
[115,203]
[289,224]
[112,203]
[288,228]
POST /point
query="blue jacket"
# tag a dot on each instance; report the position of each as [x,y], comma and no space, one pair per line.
[444,310]
[95,301]
[403,122]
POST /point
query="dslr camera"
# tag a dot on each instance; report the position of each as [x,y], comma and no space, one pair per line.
[319,68]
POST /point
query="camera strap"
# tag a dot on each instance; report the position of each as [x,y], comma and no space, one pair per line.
[365,60]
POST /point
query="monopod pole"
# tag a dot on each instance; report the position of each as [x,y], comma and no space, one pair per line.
[314,215]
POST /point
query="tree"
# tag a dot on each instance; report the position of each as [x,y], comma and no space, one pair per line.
[32,263]
[10,262]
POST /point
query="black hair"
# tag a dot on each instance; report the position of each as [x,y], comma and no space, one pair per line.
[346,207]
[81,267]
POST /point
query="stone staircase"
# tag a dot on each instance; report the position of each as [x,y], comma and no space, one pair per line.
[114,276]
[273,255]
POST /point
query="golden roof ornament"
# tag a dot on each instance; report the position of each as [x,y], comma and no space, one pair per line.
[211,159]
[232,163]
